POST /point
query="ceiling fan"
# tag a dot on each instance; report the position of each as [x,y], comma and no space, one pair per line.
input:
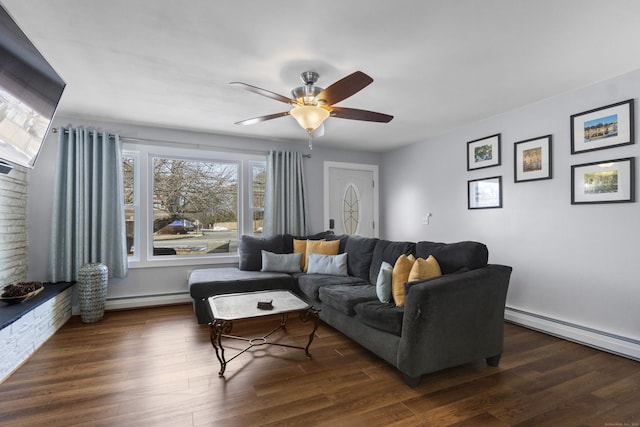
[312,105]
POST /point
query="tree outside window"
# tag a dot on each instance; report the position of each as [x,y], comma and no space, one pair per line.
[130,210]
[195,206]
[258,176]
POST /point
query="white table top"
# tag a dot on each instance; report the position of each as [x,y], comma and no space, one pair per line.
[245,305]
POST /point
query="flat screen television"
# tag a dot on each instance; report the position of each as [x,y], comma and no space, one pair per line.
[30,90]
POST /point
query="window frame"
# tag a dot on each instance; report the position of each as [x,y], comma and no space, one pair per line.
[143,177]
[136,201]
[252,208]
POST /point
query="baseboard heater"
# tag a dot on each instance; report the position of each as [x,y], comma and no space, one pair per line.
[616,344]
[124,303]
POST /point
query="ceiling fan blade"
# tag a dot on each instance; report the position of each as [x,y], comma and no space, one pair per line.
[355,114]
[262,118]
[345,87]
[264,92]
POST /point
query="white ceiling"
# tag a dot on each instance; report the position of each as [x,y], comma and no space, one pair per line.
[436,65]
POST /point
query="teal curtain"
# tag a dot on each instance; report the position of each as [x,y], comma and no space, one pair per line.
[88,223]
[285,204]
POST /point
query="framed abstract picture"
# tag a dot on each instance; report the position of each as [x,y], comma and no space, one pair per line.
[603,127]
[484,152]
[532,159]
[485,193]
[610,181]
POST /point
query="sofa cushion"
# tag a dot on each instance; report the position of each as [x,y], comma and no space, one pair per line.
[206,282]
[300,246]
[400,276]
[282,263]
[310,284]
[344,297]
[454,256]
[360,250]
[250,250]
[424,269]
[335,265]
[288,239]
[388,251]
[384,317]
[383,284]
[342,238]
[323,247]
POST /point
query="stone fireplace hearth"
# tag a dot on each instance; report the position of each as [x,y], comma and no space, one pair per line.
[24,327]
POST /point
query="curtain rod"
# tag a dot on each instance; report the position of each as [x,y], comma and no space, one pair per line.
[153,141]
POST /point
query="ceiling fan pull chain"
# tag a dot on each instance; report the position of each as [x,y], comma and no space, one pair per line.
[310,140]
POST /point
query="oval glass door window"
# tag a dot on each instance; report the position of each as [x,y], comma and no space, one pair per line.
[351,209]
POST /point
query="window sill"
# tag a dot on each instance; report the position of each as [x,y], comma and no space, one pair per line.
[178,261]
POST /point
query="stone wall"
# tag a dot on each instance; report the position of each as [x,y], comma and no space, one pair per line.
[13,226]
[24,336]
[21,339]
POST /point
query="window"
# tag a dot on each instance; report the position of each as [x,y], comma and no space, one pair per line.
[129,170]
[258,181]
[191,208]
[195,206]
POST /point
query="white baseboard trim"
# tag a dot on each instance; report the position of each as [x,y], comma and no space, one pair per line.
[611,343]
[126,303]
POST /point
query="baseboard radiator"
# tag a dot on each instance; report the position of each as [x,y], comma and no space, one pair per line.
[601,340]
[125,303]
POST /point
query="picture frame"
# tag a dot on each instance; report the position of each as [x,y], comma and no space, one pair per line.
[604,127]
[609,181]
[532,159]
[484,193]
[483,152]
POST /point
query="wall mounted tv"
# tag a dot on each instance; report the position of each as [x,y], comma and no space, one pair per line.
[30,90]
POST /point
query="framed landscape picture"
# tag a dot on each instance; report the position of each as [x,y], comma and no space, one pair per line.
[610,181]
[483,153]
[604,127]
[532,159]
[485,193]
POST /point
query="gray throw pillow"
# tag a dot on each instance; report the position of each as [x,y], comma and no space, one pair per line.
[383,284]
[280,263]
[249,247]
[335,265]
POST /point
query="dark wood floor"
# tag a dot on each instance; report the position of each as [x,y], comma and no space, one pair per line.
[156,367]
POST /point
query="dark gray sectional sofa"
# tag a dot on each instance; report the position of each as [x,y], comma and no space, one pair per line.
[446,321]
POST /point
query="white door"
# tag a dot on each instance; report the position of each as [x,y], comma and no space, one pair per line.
[351,198]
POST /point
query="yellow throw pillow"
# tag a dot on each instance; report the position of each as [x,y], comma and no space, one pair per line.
[300,246]
[400,276]
[323,247]
[424,269]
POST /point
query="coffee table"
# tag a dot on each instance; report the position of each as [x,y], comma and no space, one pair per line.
[230,307]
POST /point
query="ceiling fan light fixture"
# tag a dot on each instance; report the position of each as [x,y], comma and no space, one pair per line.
[309,117]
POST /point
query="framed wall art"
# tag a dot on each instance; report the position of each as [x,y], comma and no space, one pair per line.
[485,193]
[532,159]
[610,181]
[603,127]
[484,152]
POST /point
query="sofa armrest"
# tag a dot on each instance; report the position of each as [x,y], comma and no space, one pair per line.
[453,320]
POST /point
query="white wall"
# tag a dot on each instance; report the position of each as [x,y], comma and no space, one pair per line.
[146,282]
[571,264]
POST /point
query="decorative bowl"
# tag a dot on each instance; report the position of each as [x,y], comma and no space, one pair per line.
[21,298]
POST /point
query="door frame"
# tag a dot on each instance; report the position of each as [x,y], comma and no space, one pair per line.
[352,166]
